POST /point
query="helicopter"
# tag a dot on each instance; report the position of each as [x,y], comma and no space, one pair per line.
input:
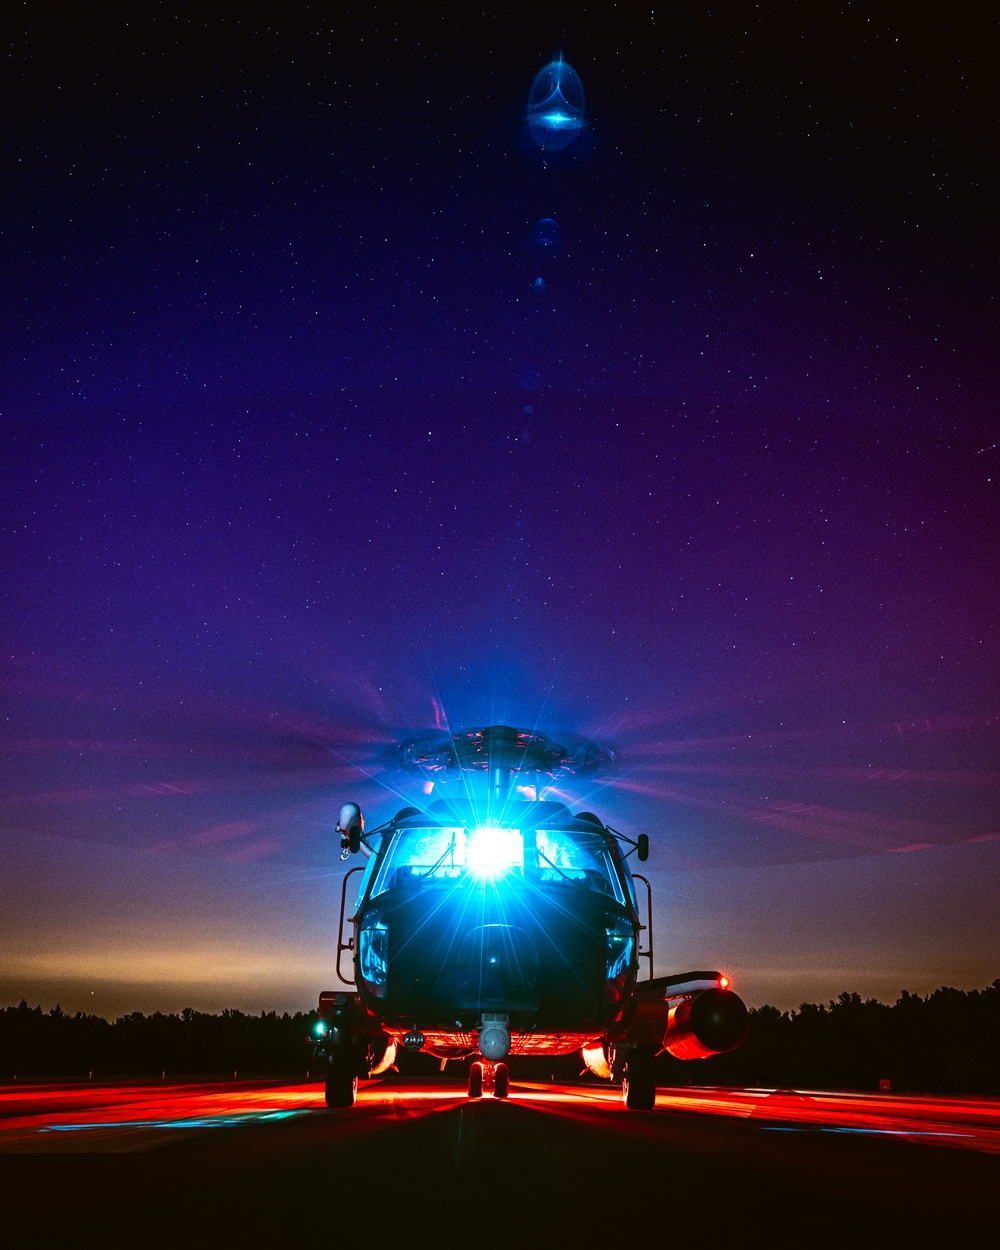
[500,923]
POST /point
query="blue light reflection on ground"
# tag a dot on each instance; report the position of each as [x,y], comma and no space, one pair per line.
[197,1122]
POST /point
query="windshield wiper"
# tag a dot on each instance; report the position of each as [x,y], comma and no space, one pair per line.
[542,855]
[448,850]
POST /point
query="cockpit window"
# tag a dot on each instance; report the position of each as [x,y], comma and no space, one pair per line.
[541,857]
[422,854]
[571,856]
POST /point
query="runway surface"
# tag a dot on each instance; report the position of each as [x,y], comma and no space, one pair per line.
[421,1164]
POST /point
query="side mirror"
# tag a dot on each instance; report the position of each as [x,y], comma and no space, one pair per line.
[642,846]
[351,825]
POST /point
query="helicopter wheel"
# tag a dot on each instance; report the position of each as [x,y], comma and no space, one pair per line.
[476,1081]
[341,1089]
[501,1081]
[639,1085]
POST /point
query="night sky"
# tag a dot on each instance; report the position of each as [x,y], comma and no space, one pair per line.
[299,456]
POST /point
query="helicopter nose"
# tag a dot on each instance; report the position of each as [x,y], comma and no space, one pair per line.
[500,966]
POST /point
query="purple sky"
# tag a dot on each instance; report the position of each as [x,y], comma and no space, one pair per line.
[299,458]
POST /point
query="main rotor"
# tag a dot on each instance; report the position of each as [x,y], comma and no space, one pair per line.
[504,754]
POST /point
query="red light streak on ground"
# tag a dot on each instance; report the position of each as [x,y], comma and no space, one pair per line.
[162,1101]
[124,1118]
[968,1123]
[127,1118]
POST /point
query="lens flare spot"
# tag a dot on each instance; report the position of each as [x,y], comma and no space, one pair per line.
[493,851]
[555,112]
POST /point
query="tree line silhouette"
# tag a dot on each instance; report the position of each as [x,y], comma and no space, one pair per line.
[945,1043]
[34,1043]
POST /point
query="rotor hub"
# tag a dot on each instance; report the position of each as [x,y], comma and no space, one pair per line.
[502,749]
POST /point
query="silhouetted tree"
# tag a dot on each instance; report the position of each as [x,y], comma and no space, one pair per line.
[945,1043]
[33,1043]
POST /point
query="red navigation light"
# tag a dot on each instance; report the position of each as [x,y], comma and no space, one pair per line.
[723,983]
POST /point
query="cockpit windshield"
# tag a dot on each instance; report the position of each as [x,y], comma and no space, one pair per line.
[491,853]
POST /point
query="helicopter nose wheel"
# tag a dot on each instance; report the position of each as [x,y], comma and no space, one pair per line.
[485,1077]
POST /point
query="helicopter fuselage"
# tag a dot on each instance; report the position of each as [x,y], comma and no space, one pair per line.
[489,926]
[533,920]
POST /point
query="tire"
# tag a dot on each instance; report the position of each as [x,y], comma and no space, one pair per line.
[476,1081]
[639,1085]
[501,1081]
[341,1089]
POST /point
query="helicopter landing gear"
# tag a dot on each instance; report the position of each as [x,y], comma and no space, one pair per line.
[639,1083]
[341,1089]
[486,1077]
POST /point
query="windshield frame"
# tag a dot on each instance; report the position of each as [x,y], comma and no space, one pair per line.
[599,866]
